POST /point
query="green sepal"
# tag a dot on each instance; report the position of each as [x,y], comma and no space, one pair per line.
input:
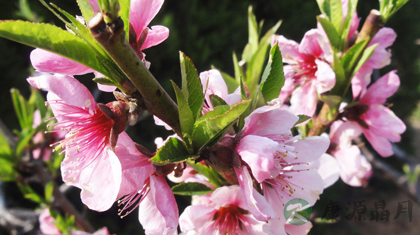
[302,118]
[214,178]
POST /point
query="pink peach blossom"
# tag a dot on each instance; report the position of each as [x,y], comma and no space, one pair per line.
[308,66]
[226,213]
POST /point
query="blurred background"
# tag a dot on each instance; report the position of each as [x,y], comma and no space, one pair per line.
[208,32]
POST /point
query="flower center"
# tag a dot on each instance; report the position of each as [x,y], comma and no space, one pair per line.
[228,220]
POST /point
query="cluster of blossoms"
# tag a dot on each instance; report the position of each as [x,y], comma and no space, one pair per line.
[267,164]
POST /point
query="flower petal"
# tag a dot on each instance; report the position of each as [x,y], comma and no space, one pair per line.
[258,152]
[257,204]
[304,99]
[142,12]
[325,77]
[361,80]
[158,212]
[155,36]
[49,62]
[354,168]
[310,148]
[328,168]
[195,217]
[383,88]
[289,49]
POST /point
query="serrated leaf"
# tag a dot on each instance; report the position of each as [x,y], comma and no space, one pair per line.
[336,14]
[104,81]
[192,188]
[273,77]
[214,122]
[23,109]
[302,119]
[53,39]
[217,101]
[331,32]
[191,85]
[7,172]
[186,117]
[214,177]
[86,9]
[174,151]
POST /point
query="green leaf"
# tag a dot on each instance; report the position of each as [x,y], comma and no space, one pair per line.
[192,188]
[125,15]
[7,172]
[302,118]
[214,177]
[23,141]
[331,32]
[23,109]
[214,122]
[252,31]
[366,55]
[38,101]
[239,73]
[340,77]
[48,191]
[331,100]
[243,91]
[53,39]
[174,151]
[352,56]
[217,101]
[5,149]
[325,8]
[273,77]
[186,117]
[30,194]
[336,14]
[191,85]
[104,81]
[85,8]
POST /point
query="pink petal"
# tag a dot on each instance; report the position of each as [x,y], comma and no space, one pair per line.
[258,152]
[95,6]
[379,143]
[289,49]
[142,12]
[99,179]
[315,44]
[298,229]
[310,148]
[65,88]
[229,195]
[354,168]
[213,84]
[385,37]
[136,168]
[155,36]
[288,87]
[49,62]
[381,57]
[158,212]
[328,168]
[304,99]
[159,122]
[195,217]
[383,122]
[325,77]
[269,121]
[342,133]
[308,185]
[257,204]
[106,88]
[361,80]
[47,223]
[383,88]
